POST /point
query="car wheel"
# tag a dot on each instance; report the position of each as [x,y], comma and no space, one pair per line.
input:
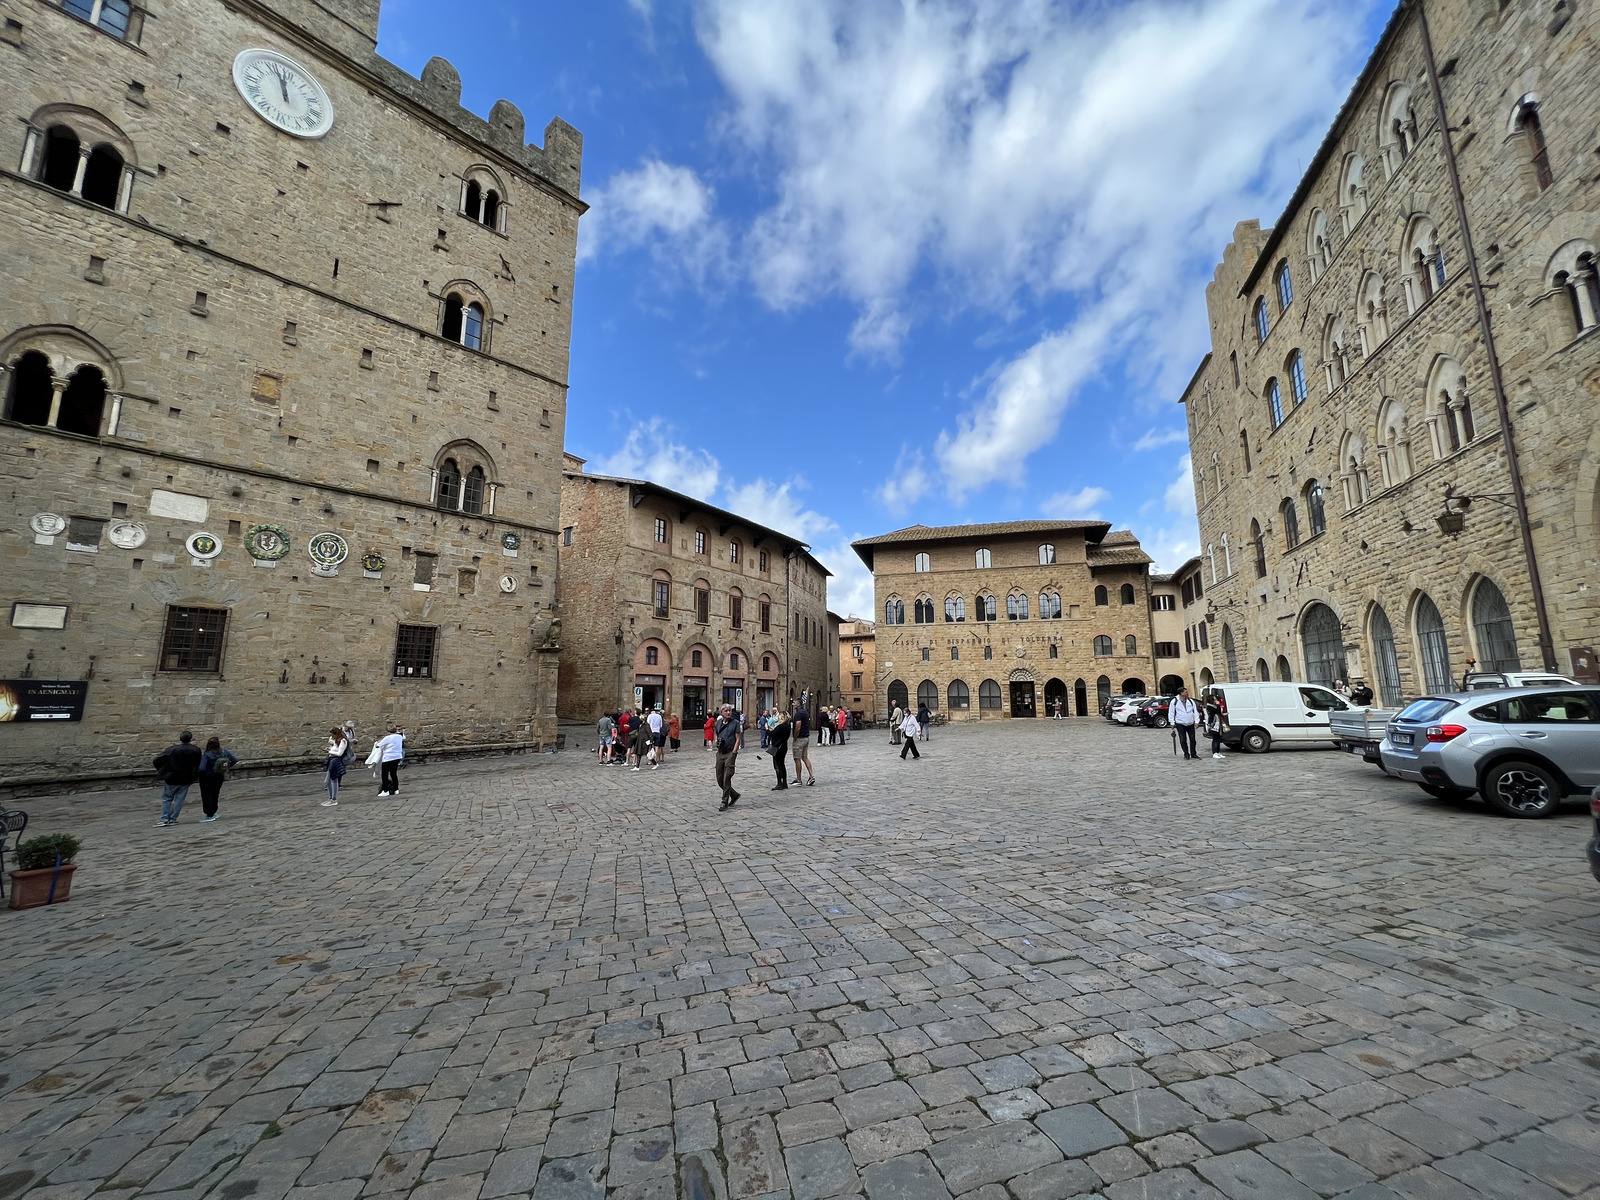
[1162,722]
[1255,741]
[1445,793]
[1521,789]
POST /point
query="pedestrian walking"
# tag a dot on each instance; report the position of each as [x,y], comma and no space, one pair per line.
[640,745]
[391,750]
[909,729]
[658,735]
[338,746]
[1212,716]
[1057,714]
[924,720]
[726,733]
[1184,716]
[177,767]
[674,732]
[606,729]
[214,763]
[778,743]
[842,724]
[800,740]
[896,719]
[710,730]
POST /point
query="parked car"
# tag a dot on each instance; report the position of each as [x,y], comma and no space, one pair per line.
[1124,708]
[1361,730]
[1109,709]
[1262,714]
[1594,842]
[1523,749]
[1153,712]
[1493,681]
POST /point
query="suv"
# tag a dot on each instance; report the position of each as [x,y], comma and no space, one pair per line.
[1123,708]
[1493,681]
[1153,712]
[1524,749]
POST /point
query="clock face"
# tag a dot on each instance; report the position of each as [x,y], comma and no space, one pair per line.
[283,93]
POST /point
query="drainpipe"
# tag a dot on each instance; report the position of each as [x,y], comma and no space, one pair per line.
[1546,642]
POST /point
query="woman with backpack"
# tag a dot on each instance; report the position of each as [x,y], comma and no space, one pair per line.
[213,763]
[338,747]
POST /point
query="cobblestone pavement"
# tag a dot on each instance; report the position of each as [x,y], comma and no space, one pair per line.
[1047,960]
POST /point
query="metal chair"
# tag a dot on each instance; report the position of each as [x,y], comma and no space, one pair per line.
[12,821]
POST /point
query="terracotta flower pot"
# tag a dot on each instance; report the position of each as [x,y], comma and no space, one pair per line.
[30,889]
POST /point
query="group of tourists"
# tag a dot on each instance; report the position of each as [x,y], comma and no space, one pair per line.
[1188,715]
[636,738]
[785,736]
[183,764]
[905,727]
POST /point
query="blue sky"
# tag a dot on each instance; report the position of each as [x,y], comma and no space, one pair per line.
[854,264]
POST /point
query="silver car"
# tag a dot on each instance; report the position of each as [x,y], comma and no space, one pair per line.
[1524,749]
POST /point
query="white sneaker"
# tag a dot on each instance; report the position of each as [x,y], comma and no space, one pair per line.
[654,766]
[636,768]
[330,804]
[1216,756]
[164,824]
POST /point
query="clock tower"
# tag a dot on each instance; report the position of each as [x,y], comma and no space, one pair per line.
[283,356]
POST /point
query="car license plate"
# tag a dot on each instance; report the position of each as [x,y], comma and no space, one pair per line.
[1400,739]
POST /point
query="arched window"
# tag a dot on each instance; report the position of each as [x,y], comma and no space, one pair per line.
[463,322]
[1451,407]
[1435,647]
[1322,639]
[1318,252]
[661,594]
[450,330]
[1492,627]
[982,558]
[1263,324]
[1315,514]
[1285,286]
[988,609]
[1128,595]
[491,209]
[1285,672]
[472,199]
[1336,360]
[1244,449]
[898,695]
[113,16]
[1274,397]
[1230,654]
[1572,271]
[472,489]
[652,656]
[1011,608]
[1102,692]
[928,693]
[1297,377]
[894,612]
[83,402]
[960,697]
[1352,192]
[955,609]
[30,389]
[1526,120]
[923,611]
[1055,650]
[1384,655]
[923,563]
[1263,672]
[1101,596]
[1373,313]
[989,695]
[472,327]
[1291,524]
[1049,606]
[1130,645]
[449,485]
[736,608]
[1102,646]
[1397,129]
[1424,260]
[1047,555]
[60,167]
[1259,541]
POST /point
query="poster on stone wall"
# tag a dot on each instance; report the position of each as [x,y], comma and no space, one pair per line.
[42,699]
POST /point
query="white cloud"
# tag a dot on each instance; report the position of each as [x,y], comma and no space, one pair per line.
[906,484]
[930,156]
[774,506]
[1180,492]
[1074,506]
[648,452]
[1154,439]
[850,589]
[662,206]
[1171,547]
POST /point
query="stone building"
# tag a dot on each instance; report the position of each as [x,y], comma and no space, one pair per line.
[858,668]
[1000,619]
[668,600]
[1172,639]
[1359,444]
[284,336]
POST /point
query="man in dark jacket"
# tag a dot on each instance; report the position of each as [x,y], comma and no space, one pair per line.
[726,733]
[177,767]
[778,743]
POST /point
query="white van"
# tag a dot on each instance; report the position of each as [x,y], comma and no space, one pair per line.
[1260,715]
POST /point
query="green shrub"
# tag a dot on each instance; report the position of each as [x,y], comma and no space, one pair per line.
[39,852]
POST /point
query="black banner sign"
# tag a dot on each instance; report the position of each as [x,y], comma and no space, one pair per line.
[42,699]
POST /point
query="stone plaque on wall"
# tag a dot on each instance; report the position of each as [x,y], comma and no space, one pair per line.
[179,506]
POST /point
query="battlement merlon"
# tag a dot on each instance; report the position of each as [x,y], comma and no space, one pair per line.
[350,27]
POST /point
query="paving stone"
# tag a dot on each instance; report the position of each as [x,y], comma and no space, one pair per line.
[637,1156]
[883,1102]
[992,1154]
[1219,1097]
[203,1155]
[1081,1129]
[580,1178]
[890,1139]
[947,1087]
[1245,1173]
[819,1169]
[1222,1137]
[1005,1073]
[1176,1184]
[1149,1112]
[952,1119]
[755,1161]
[1057,1181]
[1378,1150]
[910,1178]
[1173,1150]
[1492,1177]
[809,1123]
[1550,1159]
[1119,1162]
[352,1153]
[695,1128]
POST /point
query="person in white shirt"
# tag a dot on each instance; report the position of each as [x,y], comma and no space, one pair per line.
[1185,715]
[391,749]
[910,728]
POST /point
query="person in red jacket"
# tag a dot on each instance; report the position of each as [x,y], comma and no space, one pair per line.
[711,729]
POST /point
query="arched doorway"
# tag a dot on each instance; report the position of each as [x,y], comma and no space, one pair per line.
[1263,672]
[1102,694]
[1023,698]
[1055,693]
[1383,654]
[1285,671]
[1323,641]
[1492,628]
[1171,685]
[1080,698]
[1133,687]
[1434,646]
[899,697]
[1206,678]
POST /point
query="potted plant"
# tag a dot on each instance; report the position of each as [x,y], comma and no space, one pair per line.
[44,870]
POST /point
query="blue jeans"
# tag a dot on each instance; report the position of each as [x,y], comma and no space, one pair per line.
[172,798]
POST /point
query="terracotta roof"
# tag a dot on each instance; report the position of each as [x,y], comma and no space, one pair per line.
[1093,531]
[1117,556]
